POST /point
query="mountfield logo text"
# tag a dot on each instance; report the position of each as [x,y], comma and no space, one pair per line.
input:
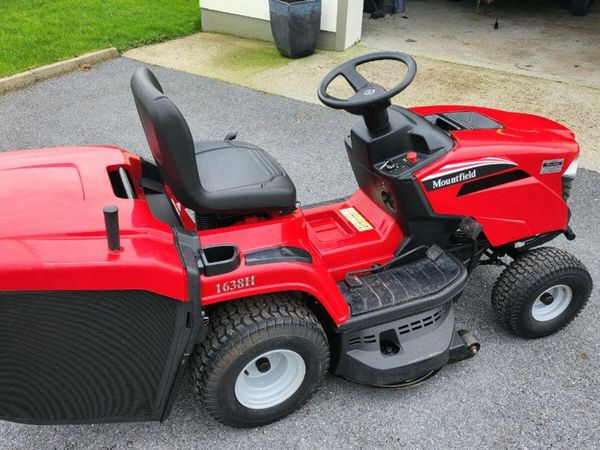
[458,178]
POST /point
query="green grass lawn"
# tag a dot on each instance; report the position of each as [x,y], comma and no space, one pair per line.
[38,32]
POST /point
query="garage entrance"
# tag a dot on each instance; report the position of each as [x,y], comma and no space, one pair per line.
[531,37]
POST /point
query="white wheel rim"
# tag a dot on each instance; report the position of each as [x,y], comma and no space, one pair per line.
[552,303]
[270,379]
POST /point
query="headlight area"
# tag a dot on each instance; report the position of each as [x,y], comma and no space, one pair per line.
[568,177]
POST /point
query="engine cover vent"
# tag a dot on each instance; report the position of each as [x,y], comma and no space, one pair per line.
[463,120]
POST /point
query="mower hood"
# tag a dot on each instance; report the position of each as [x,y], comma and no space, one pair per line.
[52,231]
[495,124]
[56,192]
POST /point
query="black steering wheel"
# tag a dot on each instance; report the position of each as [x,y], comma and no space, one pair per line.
[369,98]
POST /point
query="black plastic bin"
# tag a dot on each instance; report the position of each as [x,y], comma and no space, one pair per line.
[295,26]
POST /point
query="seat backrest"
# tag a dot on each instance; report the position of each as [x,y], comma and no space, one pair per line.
[169,137]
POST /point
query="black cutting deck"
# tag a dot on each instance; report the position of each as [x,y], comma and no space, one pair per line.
[401,285]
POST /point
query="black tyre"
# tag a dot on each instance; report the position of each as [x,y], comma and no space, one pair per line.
[580,7]
[541,292]
[263,358]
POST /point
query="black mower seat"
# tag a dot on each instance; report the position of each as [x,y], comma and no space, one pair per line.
[241,176]
[209,177]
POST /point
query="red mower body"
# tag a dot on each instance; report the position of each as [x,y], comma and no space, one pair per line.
[54,237]
[118,274]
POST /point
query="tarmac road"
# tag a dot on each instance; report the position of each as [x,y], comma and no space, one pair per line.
[515,393]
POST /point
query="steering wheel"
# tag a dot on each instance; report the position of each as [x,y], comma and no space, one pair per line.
[369,98]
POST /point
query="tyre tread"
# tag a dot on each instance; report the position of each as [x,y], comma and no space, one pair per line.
[236,321]
[528,269]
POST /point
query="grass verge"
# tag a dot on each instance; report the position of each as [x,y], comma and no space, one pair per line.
[38,32]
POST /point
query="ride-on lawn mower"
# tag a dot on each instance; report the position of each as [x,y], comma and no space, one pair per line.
[119,273]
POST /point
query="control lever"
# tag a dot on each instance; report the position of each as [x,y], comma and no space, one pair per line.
[111,221]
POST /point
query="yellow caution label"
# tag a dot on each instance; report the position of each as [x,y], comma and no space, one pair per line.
[356,219]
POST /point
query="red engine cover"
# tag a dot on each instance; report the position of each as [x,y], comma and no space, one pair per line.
[510,210]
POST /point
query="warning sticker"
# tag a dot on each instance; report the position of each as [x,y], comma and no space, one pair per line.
[356,219]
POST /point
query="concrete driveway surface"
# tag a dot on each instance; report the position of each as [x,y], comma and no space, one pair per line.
[525,394]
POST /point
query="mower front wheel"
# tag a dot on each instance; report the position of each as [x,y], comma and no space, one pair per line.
[263,358]
[541,292]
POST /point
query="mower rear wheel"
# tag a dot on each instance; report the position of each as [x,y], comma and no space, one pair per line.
[541,292]
[263,358]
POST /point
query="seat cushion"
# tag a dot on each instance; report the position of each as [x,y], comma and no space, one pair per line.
[237,177]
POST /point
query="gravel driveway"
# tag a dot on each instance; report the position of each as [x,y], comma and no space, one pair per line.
[526,394]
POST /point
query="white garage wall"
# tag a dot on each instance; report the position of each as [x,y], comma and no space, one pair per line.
[354,20]
[259,9]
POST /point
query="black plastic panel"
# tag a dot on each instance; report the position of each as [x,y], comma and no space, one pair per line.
[463,120]
[159,203]
[76,357]
[220,259]
[402,284]
[397,191]
[162,208]
[492,181]
[398,350]
[472,120]
[278,254]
